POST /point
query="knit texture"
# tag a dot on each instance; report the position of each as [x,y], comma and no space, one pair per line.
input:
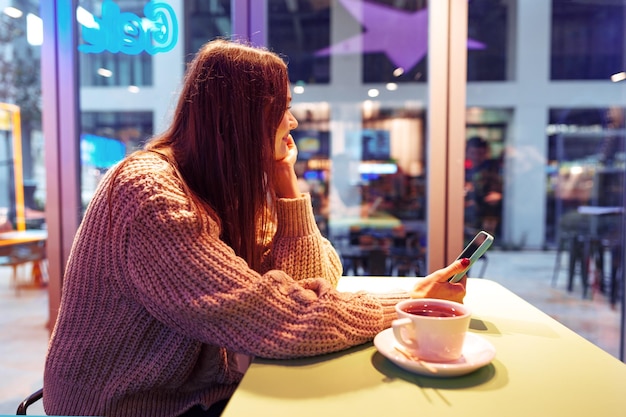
[155,309]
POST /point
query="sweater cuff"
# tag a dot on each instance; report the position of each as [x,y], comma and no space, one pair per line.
[388,303]
[295,217]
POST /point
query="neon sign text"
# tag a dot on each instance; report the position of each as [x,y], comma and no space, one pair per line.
[124,32]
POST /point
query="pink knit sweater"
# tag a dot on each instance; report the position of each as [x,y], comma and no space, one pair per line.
[153,311]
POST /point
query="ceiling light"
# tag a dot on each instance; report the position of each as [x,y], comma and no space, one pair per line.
[620,76]
[398,72]
[373,92]
[104,72]
[13,12]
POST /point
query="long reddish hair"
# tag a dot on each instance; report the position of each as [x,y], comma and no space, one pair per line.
[221,139]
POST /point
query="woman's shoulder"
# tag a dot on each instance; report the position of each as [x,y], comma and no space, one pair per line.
[145,170]
[142,160]
[142,163]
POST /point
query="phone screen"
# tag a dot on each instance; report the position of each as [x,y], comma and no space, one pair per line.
[474,250]
[469,250]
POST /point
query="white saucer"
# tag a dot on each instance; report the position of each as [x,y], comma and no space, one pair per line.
[477,352]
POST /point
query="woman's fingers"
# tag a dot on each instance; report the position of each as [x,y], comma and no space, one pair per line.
[449,271]
[436,285]
[285,178]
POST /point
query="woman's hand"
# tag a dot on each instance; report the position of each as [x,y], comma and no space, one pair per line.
[436,285]
[286,181]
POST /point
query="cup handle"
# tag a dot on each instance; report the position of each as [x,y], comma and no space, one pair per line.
[398,326]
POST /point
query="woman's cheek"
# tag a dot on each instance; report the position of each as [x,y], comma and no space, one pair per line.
[280,151]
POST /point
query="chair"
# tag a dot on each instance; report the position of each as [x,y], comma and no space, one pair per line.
[20,255]
[32,398]
[377,262]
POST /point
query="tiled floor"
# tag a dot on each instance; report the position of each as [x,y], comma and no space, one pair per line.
[23,341]
[23,319]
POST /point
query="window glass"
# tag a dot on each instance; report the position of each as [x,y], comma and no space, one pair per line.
[106,68]
[394,40]
[489,36]
[106,137]
[205,20]
[300,30]
[20,117]
[127,54]
[361,149]
[546,168]
[484,170]
[552,185]
[587,39]
[586,167]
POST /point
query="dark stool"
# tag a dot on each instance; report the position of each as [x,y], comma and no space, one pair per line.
[583,249]
[615,283]
[586,251]
[564,243]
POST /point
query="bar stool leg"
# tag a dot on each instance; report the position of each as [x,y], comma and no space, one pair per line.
[575,257]
[585,265]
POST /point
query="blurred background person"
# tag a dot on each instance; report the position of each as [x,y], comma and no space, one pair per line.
[483,188]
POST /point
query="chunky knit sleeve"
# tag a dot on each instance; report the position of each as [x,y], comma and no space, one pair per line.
[193,282]
[298,247]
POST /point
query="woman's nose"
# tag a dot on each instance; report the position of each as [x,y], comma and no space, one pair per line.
[293,123]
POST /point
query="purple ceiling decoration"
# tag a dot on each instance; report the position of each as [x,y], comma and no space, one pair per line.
[401,35]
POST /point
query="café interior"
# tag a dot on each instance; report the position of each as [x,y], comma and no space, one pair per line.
[420,124]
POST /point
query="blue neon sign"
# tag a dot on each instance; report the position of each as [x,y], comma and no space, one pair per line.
[101,152]
[124,32]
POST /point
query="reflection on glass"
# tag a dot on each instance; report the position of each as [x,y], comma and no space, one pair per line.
[107,64]
[125,92]
[359,79]
[364,157]
[587,40]
[586,201]
[484,170]
[20,94]
[489,40]
[369,193]
[106,137]
[205,20]
[584,144]
[299,30]
[362,161]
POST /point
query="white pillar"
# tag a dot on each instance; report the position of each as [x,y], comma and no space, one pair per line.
[525,158]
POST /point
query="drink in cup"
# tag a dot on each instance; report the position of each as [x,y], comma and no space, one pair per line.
[431,329]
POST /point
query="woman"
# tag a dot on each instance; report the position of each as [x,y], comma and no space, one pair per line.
[199,252]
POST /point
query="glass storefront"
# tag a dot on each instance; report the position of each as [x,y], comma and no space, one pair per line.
[22,178]
[363,146]
[543,139]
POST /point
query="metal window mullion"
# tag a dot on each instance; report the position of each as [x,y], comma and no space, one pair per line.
[60,126]
[447,68]
[240,19]
[457,104]
[437,148]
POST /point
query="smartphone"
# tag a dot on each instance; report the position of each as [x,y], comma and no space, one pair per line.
[474,250]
